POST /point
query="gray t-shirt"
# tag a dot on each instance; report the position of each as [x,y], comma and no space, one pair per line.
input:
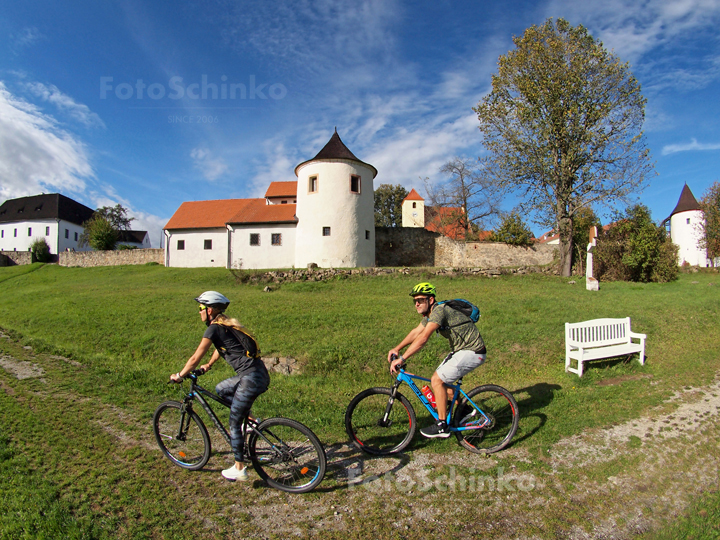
[457,328]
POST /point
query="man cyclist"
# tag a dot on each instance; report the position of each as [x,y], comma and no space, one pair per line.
[466,344]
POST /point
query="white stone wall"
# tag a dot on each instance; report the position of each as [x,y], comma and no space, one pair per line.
[350,216]
[266,255]
[20,235]
[685,232]
[194,254]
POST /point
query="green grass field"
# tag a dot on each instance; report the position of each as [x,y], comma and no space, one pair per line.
[123,330]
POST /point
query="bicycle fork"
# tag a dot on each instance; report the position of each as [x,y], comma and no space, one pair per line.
[385,420]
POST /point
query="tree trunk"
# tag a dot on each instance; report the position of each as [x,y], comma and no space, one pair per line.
[566,245]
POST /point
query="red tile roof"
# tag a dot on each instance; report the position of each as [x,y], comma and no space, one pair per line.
[208,214]
[444,220]
[413,196]
[260,212]
[282,189]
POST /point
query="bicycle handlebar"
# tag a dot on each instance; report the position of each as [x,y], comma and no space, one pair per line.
[194,373]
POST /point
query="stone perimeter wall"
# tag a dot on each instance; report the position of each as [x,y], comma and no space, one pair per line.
[111,258]
[11,258]
[419,247]
[394,247]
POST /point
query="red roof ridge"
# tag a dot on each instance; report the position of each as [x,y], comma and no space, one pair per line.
[413,196]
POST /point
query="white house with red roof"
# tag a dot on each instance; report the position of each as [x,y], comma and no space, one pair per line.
[326,217]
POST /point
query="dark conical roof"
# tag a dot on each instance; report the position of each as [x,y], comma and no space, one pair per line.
[686,202]
[336,149]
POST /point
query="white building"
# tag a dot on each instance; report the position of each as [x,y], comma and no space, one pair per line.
[133,239]
[54,217]
[326,217]
[685,226]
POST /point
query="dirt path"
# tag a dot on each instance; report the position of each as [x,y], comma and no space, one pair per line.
[610,483]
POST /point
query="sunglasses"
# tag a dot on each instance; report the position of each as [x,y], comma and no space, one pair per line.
[420,300]
[202,307]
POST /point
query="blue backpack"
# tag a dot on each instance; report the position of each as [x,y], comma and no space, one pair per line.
[465,307]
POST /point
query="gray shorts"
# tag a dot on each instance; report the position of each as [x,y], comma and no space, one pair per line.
[458,364]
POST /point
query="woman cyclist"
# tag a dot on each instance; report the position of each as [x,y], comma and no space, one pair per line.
[251,378]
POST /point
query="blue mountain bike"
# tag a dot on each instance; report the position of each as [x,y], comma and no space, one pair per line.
[382,421]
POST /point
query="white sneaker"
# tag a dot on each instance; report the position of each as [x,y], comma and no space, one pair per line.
[233,473]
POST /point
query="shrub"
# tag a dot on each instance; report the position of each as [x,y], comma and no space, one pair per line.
[513,231]
[40,250]
[635,249]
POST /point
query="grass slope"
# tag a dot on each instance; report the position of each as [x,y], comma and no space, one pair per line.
[129,327]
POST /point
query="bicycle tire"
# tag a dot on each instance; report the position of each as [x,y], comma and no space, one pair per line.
[287,455]
[500,407]
[364,422]
[191,449]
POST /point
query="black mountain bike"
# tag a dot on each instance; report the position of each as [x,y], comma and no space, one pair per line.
[285,453]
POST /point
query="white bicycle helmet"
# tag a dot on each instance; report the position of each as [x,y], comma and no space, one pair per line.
[214,299]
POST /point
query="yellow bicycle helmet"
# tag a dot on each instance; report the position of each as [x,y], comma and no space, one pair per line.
[425,288]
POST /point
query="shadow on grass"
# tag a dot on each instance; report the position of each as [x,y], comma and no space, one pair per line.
[539,396]
[348,467]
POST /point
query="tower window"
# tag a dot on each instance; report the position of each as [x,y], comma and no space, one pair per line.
[47,231]
[367,235]
[688,221]
[414,205]
[254,239]
[276,239]
[354,184]
[313,184]
[181,245]
[326,231]
[30,230]
[208,244]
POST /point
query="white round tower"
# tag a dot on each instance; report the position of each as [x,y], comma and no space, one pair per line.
[335,209]
[685,229]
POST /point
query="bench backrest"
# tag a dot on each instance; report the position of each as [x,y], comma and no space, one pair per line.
[598,332]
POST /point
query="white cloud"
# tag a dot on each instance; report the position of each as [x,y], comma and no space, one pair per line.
[341,32]
[35,154]
[634,28]
[65,103]
[210,167]
[408,156]
[693,145]
[278,165]
[26,37]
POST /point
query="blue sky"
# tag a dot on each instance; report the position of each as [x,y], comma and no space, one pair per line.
[150,104]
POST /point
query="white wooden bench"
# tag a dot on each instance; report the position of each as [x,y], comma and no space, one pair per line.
[600,338]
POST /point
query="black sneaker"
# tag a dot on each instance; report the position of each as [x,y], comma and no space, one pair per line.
[436,430]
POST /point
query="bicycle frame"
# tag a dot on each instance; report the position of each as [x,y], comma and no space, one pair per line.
[409,379]
[196,393]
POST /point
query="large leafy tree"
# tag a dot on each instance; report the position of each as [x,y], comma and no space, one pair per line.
[710,233]
[562,126]
[388,205]
[101,231]
[467,189]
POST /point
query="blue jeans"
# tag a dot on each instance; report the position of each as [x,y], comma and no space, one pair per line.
[242,390]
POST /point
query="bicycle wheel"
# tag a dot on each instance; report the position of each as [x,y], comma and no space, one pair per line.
[490,435]
[287,455]
[378,427]
[182,437]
